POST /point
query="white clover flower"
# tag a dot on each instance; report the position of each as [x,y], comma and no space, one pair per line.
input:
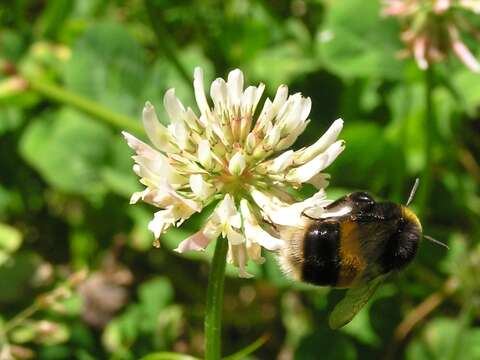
[226,155]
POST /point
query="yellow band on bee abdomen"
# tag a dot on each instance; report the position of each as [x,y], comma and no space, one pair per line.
[352,261]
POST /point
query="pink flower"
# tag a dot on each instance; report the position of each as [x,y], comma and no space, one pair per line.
[432,29]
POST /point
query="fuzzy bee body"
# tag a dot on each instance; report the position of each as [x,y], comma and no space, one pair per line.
[355,243]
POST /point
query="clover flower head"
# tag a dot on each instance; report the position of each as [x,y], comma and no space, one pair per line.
[231,156]
[433,28]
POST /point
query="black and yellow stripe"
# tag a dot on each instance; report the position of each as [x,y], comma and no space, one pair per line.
[332,254]
[338,252]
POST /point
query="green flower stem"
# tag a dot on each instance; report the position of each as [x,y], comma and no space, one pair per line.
[429,132]
[90,107]
[20,318]
[213,316]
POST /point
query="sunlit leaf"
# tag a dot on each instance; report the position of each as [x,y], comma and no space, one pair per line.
[168,356]
[154,295]
[108,66]
[467,86]
[444,339]
[69,150]
[354,46]
[10,238]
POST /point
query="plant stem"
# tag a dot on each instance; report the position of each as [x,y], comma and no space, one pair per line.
[165,39]
[429,132]
[213,316]
[81,103]
[20,318]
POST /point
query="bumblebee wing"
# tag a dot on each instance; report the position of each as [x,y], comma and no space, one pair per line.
[353,302]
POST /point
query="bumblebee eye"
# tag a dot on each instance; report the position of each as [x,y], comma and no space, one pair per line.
[362,200]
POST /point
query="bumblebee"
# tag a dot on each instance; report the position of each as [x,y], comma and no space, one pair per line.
[356,244]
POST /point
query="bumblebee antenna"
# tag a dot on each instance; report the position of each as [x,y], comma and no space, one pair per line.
[438,242]
[413,191]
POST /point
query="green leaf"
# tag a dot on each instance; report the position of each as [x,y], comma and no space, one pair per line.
[11,118]
[24,333]
[72,306]
[168,356]
[69,150]
[12,44]
[10,238]
[168,326]
[83,247]
[117,173]
[327,343]
[243,353]
[122,332]
[63,351]
[163,76]
[367,149]
[16,276]
[408,115]
[467,87]
[140,238]
[281,64]
[361,329]
[442,340]
[284,61]
[108,66]
[154,295]
[354,45]
[456,254]
[55,14]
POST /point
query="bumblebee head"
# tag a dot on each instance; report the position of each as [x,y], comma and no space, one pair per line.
[395,227]
[389,233]
[401,247]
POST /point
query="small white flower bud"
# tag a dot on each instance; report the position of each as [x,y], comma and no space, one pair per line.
[273,137]
[200,187]
[199,91]
[237,164]
[235,87]
[280,98]
[218,93]
[136,169]
[204,154]
[250,143]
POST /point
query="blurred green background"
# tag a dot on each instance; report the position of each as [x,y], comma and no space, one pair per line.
[76,73]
